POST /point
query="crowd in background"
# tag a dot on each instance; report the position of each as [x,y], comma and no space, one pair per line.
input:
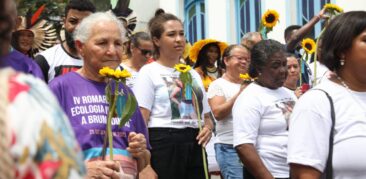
[285,119]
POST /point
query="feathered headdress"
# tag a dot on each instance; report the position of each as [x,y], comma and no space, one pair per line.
[126,15]
[45,35]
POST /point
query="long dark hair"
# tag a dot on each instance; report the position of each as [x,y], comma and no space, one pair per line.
[203,62]
[339,36]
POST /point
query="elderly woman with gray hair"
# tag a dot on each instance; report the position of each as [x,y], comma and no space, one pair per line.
[99,42]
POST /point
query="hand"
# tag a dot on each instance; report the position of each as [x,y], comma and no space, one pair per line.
[204,136]
[136,145]
[148,173]
[298,92]
[322,14]
[103,169]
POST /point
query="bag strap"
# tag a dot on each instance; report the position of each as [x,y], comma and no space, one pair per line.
[329,168]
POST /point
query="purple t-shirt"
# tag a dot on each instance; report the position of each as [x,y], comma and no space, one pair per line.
[85,103]
[22,63]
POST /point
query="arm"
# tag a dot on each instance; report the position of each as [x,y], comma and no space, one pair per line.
[145,114]
[249,156]
[43,64]
[137,148]
[147,172]
[222,108]
[303,172]
[205,134]
[303,31]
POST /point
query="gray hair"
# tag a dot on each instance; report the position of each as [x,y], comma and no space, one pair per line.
[249,35]
[83,30]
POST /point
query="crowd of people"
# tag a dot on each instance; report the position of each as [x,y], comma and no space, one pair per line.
[54,104]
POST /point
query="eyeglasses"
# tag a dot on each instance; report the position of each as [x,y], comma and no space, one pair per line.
[145,52]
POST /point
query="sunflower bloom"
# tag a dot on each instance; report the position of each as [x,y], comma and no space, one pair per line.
[104,71]
[333,8]
[245,76]
[110,72]
[308,45]
[125,74]
[182,68]
[270,18]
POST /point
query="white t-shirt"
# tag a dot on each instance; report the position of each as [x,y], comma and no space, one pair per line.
[321,72]
[261,118]
[60,62]
[158,89]
[130,82]
[224,127]
[311,124]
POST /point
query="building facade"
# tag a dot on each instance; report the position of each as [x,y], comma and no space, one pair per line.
[228,20]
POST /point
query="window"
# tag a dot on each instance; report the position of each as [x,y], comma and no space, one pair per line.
[195,20]
[248,16]
[307,9]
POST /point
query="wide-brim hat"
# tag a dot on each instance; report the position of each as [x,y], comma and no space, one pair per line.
[197,47]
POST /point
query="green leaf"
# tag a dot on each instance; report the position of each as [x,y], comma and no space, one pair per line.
[120,103]
[108,93]
[129,109]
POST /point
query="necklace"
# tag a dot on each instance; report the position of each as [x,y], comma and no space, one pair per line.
[211,69]
[344,84]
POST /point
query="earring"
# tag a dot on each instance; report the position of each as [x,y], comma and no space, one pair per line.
[342,61]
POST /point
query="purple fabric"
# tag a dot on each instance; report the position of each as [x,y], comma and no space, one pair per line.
[85,104]
[21,63]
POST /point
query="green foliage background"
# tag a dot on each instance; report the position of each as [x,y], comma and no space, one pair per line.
[54,8]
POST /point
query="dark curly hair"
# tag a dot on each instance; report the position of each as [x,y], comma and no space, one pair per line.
[80,5]
[261,53]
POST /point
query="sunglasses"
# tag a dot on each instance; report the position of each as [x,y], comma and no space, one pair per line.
[145,52]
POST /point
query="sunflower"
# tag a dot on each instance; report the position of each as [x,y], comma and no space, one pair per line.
[333,8]
[121,74]
[106,71]
[270,18]
[308,45]
[182,68]
[245,76]
[196,48]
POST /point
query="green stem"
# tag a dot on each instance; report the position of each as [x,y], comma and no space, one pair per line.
[200,128]
[301,61]
[109,121]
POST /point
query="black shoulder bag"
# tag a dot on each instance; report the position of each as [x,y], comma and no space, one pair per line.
[328,172]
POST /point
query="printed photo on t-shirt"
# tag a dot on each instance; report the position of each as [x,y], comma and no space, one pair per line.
[286,108]
[182,108]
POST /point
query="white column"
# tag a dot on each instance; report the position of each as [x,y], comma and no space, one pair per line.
[144,11]
[280,7]
[352,5]
[217,17]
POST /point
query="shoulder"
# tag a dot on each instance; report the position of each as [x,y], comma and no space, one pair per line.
[21,58]
[64,80]
[218,83]
[51,51]
[149,67]
[199,70]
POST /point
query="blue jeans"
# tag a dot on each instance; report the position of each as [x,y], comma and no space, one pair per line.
[229,162]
